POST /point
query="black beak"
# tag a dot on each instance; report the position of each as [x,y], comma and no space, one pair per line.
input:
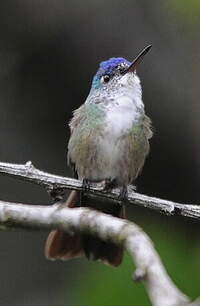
[137,60]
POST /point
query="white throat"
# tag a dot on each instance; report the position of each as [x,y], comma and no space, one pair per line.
[127,105]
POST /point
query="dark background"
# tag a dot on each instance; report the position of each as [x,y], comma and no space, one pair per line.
[49,51]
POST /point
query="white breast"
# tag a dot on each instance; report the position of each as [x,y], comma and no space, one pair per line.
[121,115]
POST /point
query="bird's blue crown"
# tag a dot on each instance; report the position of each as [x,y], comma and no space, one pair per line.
[108,68]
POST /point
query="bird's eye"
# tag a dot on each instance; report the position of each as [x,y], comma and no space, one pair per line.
[106,78]
[122,69]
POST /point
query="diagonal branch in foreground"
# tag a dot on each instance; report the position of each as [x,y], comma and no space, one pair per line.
[161,290]
[53,183]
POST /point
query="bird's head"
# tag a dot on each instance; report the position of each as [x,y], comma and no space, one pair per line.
[117,72]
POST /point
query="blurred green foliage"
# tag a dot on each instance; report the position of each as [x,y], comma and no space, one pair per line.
[103,285]
[188,12]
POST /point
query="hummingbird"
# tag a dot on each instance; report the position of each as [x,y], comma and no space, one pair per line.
[109,143]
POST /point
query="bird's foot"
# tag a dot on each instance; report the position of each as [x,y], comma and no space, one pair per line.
[86,185]
[123,196]
[85,188]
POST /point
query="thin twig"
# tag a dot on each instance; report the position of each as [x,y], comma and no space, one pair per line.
[28,172]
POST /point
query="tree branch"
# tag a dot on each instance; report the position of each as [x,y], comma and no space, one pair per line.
[162,291]
[149,268]
[52,183]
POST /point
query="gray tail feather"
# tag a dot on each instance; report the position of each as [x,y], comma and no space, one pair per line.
[60,245]
[108,252]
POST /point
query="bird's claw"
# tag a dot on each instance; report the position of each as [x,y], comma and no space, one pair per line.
[86,185]
[123,196]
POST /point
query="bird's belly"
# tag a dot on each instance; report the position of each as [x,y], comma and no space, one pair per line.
[113,157]
[108,159]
